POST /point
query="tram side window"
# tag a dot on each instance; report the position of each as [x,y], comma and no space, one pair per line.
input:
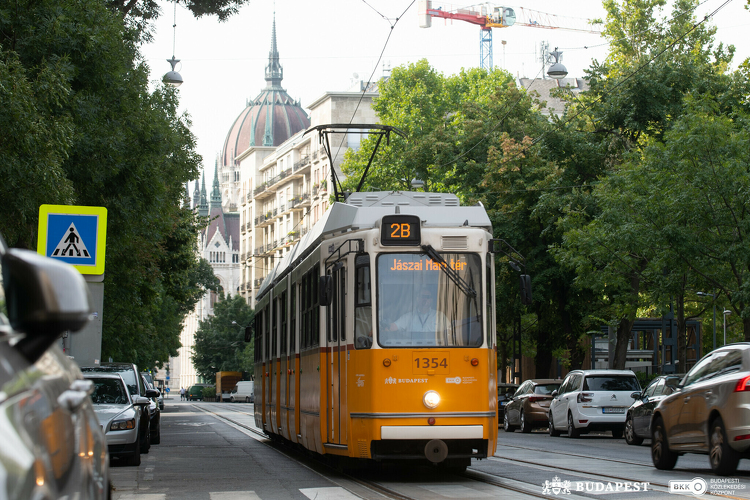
[293,319]
[315,309]
[265,333]
[275,330]
[490,317]
[362,304]
[284,333]
[256,335]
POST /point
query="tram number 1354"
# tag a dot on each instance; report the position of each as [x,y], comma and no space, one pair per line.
[439,363]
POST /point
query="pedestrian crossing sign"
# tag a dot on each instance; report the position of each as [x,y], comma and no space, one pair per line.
[75,235]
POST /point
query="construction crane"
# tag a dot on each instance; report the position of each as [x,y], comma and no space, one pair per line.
[488,16]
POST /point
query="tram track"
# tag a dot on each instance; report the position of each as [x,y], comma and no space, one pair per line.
[345,480]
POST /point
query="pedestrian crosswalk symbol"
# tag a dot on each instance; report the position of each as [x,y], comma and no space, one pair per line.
[75,235]
[71,245]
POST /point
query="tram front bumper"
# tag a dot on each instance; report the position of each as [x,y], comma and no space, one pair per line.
[409,442]
[404,432]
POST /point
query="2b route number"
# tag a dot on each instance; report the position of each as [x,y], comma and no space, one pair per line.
[431,363]
[401,230]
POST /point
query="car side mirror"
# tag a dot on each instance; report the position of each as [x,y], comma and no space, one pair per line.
[44,298]
[636,395]
[152,393]
[141,401]
[554,394]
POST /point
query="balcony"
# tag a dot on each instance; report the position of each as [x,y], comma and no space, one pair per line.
[257,282]
[243,228]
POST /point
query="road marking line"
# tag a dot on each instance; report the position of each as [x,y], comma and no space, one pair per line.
[333,493]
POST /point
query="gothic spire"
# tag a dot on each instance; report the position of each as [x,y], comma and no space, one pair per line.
[203,207]
[274,71]
[216,192]
[196,196]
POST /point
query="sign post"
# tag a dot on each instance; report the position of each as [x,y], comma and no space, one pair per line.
[77,236]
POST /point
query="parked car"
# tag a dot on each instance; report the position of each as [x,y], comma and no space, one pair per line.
[195,392]
[592,400]
[709,414]
[119,415]
[638,418]
[154,414]
[504,393]
[243,391]
[160,398]
[134,382]
[529,405]
[52,444]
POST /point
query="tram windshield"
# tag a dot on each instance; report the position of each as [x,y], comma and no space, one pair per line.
[419,305]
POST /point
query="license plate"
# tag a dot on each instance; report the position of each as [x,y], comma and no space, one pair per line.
[613,410]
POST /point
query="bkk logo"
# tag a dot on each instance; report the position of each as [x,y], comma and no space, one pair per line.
[454,380]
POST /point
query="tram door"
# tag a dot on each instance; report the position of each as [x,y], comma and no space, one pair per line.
[336,337]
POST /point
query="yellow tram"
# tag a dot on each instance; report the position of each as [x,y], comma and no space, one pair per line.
[375,336]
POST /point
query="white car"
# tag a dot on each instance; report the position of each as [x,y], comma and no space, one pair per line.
[118,415]
[592,400]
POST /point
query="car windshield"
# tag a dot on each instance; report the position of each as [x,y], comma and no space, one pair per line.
[109,391]
[127,375]
[611,383]
[421,306]
[545,389]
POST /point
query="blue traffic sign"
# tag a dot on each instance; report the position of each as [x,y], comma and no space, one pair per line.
[167,389]
[75,235]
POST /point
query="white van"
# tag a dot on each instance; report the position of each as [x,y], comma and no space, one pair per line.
[243,392]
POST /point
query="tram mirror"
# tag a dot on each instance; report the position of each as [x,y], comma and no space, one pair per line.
[249,333]
[325,290]
[525,289]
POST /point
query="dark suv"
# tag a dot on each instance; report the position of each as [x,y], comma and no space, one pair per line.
[133,380]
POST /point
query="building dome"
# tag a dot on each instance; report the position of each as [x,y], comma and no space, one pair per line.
[269,119]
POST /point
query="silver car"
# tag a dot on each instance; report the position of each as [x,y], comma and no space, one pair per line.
[52,445]
[709,414]
[117,411]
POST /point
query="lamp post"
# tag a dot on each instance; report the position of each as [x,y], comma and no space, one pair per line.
[713,299]
[727,312]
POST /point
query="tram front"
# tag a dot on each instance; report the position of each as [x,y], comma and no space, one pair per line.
[426,389]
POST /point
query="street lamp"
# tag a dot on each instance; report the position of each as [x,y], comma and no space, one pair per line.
[727,312]
[173,78]
[557,70]
[713,298]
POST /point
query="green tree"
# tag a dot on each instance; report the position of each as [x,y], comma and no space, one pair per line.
[84,129]
[220,339]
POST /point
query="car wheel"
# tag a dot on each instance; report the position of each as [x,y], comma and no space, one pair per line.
[525,424]
[506,424]
[156,438]
[552,431]
[630,436]
[146,447]
[572,431]
[135,458]
[661,455]
[723,457]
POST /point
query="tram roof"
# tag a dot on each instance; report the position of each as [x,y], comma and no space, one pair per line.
[365,209]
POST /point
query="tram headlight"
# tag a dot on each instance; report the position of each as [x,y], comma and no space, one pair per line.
[431,399]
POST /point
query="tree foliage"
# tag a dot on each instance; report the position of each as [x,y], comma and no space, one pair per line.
[81,127]
[220,339]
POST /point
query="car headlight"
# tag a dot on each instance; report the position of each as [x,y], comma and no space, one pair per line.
[431,399]
[122,425]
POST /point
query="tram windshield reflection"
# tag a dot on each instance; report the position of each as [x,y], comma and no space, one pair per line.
[420,306]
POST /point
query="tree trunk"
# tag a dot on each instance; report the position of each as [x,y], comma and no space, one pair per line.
[624,329]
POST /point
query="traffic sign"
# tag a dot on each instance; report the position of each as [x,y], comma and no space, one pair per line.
[167,389]
[75,235]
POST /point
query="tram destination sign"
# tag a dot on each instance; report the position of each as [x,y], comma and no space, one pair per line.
[400,230]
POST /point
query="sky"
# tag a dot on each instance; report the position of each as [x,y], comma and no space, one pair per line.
[329,45]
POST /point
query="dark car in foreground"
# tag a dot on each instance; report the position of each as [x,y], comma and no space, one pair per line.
[195,392]
[638,418]
[52,444]
[528,407]
[154,412]
[118,414]
[709,414]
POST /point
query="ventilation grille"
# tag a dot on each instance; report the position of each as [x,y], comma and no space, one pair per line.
[363,449]
[455,242]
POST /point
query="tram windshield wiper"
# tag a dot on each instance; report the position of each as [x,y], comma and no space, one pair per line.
[449,271]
